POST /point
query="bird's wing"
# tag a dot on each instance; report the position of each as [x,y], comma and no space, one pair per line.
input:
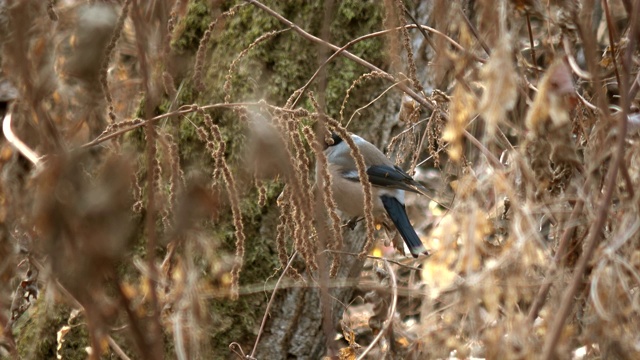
[388,177]
[391,177]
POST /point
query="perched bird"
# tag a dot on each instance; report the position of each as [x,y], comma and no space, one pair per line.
[388,181]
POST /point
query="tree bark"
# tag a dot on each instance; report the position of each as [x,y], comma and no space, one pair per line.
[295,328]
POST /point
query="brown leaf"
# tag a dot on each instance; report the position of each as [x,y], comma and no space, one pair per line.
[500,81]
[462,105]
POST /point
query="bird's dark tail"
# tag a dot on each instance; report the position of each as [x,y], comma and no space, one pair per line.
[398,215]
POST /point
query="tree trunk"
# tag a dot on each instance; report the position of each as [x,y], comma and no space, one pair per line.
[295,326]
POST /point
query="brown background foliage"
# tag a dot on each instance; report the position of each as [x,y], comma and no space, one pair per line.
[157,196]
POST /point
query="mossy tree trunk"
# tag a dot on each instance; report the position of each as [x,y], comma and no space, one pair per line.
[273,70]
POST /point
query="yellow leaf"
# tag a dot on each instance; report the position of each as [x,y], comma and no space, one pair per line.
[226,278]
[435,209]
[402,341]
[6,152]
[347,353]
[350,337]
[128,290]
[104,345]
[438,277]
[376,252]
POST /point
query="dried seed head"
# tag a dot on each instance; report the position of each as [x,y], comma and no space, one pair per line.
[551,102]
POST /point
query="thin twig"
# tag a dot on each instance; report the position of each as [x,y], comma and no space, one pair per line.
[635,87]
[392,311]
[567,235]
[475,32]
[117,349]
[357,111]
[573,63]
[627,179]
[424,33]
[273,296]
[375,258]
[586,103]
[483,149]
[239,352]
[531,43]
[612,40]
[183,110]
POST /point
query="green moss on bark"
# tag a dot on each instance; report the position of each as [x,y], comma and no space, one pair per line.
[272,70]
[36,333]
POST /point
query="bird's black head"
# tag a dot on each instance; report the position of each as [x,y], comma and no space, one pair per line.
[336,139]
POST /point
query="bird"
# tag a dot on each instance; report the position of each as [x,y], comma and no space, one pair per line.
[389,183]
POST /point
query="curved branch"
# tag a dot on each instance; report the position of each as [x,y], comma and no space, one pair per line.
[17,143]
[392,311]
